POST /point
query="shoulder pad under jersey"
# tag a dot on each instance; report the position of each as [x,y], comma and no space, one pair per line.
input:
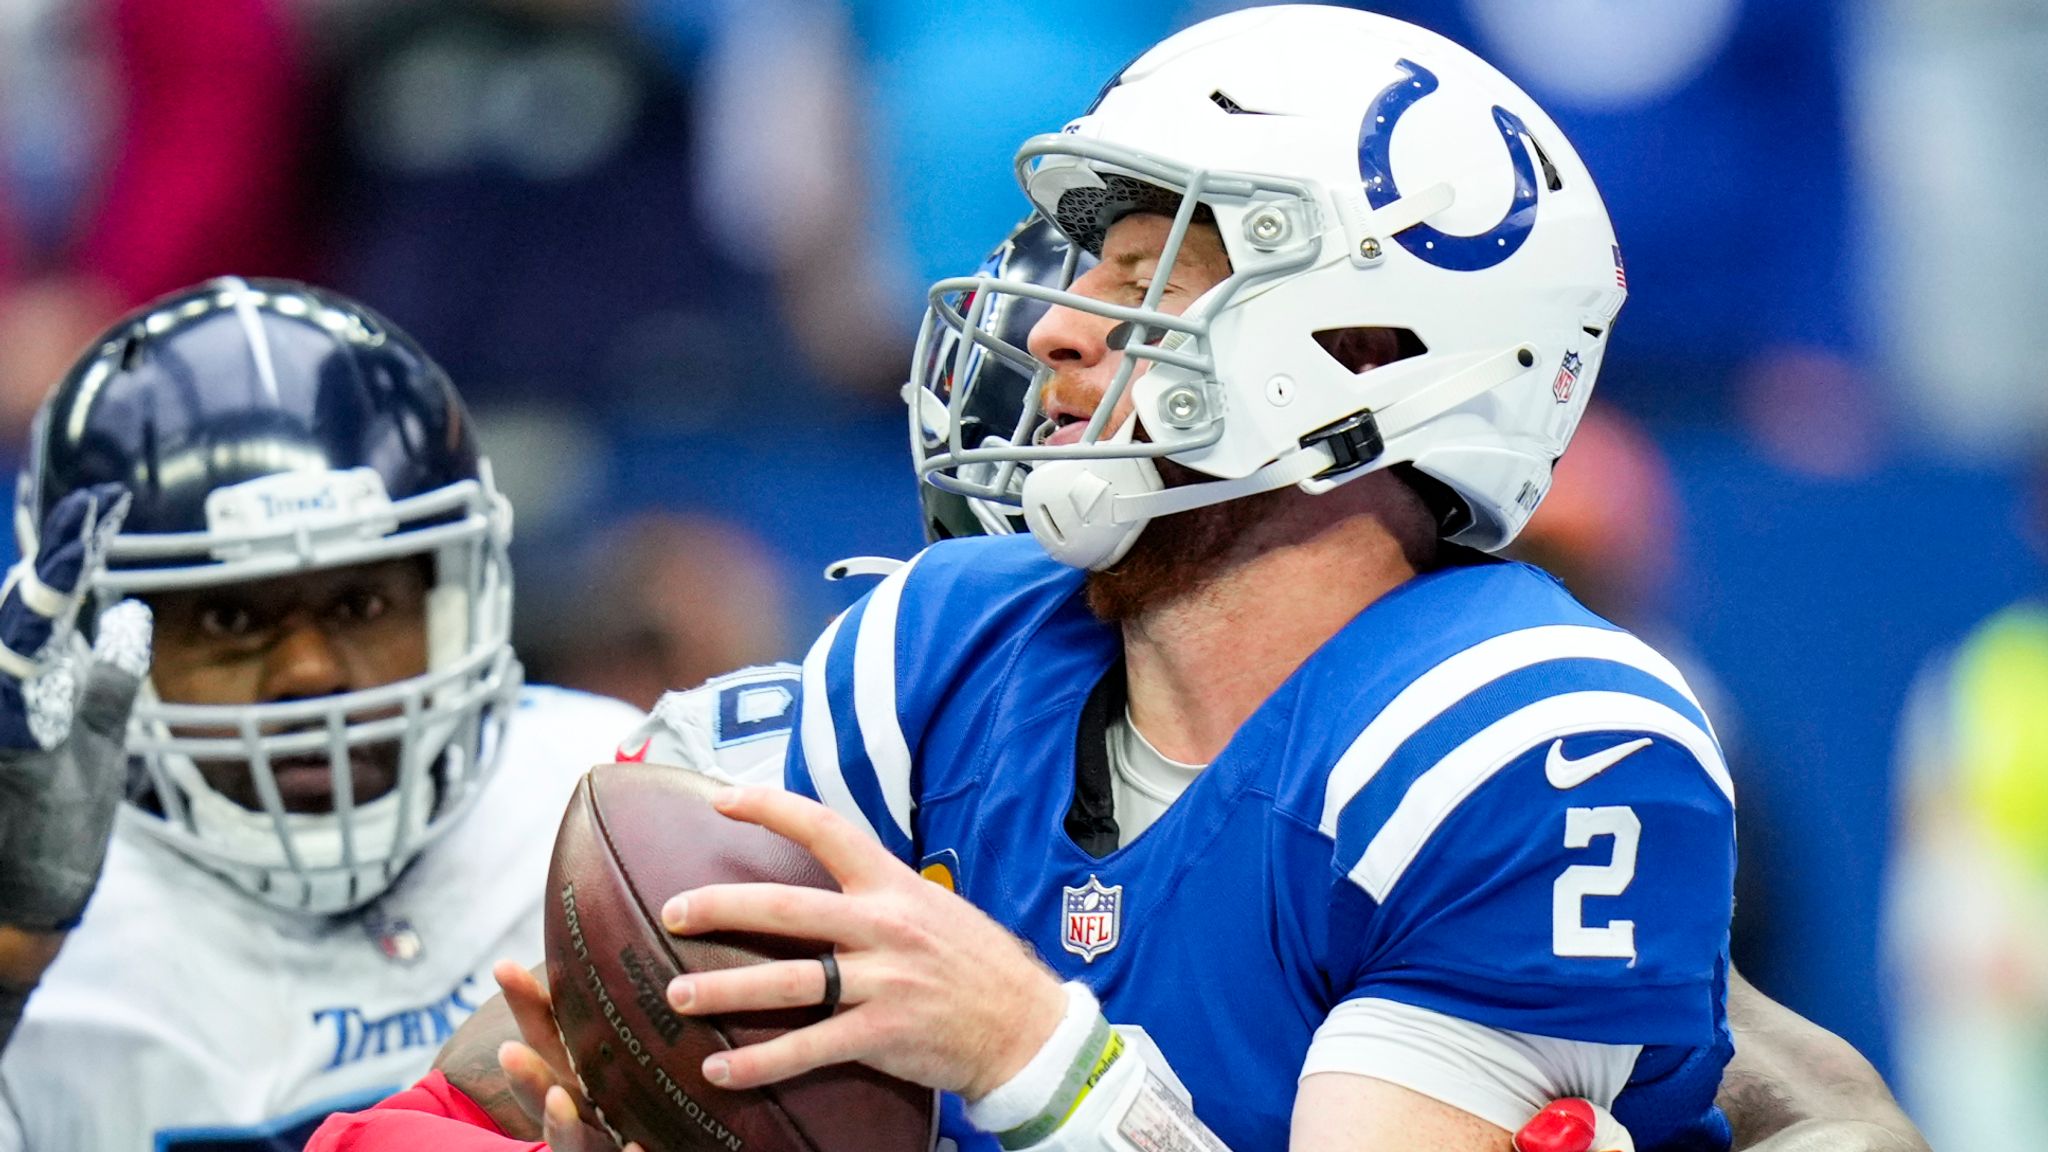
[735,728]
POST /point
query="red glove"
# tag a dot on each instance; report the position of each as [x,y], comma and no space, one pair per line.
[1573,1125]
[431,1114]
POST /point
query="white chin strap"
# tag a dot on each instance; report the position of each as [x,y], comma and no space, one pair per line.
[323,883]
[1087,513]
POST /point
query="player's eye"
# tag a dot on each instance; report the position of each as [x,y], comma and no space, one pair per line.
[361,605]
[227,621]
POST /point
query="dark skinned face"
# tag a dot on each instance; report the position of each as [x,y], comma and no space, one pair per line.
[295,638]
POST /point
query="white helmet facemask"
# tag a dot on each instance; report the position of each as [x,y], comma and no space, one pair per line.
[445,724]
[1491,255]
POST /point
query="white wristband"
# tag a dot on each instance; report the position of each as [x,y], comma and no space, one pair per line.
[1127,1102]
[1092,1088]
[1031,1090]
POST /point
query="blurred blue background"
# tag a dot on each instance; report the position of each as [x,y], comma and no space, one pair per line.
[674,252]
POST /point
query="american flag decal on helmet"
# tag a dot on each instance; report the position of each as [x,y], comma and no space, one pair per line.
[1620,274]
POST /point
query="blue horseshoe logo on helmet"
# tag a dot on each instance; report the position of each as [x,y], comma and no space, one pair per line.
[1376,169]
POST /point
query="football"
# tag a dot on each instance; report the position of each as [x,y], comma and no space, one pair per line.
[633,836]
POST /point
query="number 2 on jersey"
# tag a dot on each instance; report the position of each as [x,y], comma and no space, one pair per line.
[1570,935]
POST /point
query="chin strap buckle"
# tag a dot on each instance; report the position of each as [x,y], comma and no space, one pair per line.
[1352,441]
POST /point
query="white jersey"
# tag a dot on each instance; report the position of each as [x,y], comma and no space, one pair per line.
[184,1015]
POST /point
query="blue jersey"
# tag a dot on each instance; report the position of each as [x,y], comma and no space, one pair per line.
[1477,798]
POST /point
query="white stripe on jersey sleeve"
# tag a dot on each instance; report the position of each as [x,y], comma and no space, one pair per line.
[1438,689]
[874,695]
[821,738]
[1439,790]
[1501,1077]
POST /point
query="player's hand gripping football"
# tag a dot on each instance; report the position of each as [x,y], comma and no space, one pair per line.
[537,1072]
[930,989]
[63,717]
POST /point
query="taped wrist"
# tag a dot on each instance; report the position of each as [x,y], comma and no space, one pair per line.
[1133,1108]
[1056,1073]
[1102,1092]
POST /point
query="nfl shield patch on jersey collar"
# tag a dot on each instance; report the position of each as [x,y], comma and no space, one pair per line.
[1091,918]
[395,937]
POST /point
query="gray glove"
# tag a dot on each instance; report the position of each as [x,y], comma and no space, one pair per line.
[63,716]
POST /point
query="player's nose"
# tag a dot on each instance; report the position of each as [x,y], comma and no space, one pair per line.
[1075,344]
[303,664]
[1067,339]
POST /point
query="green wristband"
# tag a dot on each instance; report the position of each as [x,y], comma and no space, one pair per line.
[1098,1054]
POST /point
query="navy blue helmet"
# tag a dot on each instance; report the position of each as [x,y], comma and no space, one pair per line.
[235,381]
[266,428]
[978,391]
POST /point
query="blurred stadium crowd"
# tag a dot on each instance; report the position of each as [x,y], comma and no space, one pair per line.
[673,253]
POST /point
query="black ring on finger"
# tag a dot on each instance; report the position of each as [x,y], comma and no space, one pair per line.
[830,963]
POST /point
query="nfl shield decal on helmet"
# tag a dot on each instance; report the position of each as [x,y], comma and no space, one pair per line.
[1567,377]
[1091,918]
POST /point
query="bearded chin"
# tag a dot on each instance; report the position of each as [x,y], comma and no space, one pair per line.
[1176,554]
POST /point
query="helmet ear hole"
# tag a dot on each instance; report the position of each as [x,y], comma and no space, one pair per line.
[1551,179]
[1360,350]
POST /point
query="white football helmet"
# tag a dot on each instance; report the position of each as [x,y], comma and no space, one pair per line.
[1364,174]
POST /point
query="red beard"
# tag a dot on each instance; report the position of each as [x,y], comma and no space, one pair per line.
[1175,554]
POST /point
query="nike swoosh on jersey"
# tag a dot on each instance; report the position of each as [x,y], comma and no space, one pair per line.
[1566,773]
